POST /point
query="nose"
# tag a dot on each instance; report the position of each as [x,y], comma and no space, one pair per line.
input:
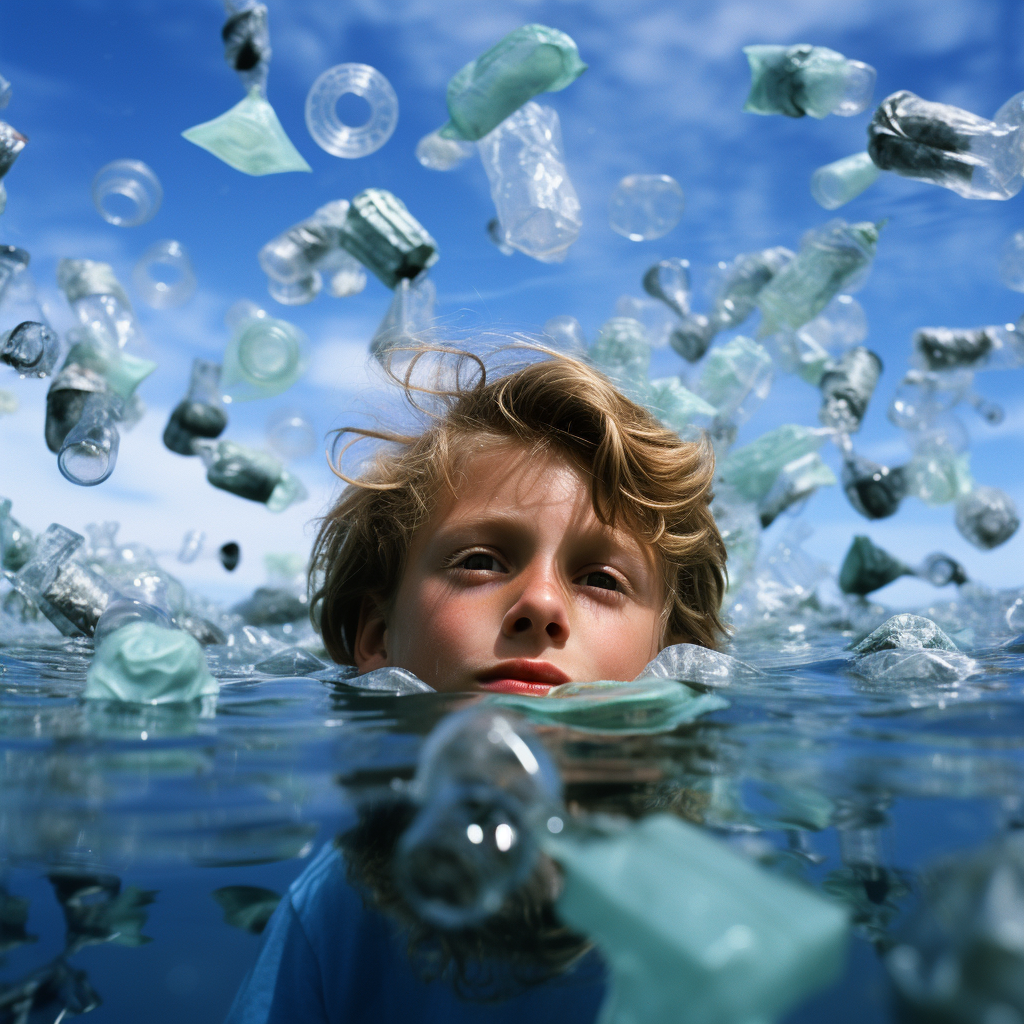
[540,610]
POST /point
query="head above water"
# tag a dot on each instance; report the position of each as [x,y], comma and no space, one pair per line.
[542,529]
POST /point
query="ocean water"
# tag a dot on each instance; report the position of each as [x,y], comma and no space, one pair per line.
[848,782]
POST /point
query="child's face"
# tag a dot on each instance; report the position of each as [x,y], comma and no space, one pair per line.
[515,586]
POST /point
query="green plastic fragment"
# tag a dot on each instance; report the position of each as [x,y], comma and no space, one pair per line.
[143,663]
[752,469]
[386,238]
[676,406]
[623,352]
[735,375]
[122,372]
[531,60]
[691,930]
[795,80]
[867,567]
[647,705]
[249,137]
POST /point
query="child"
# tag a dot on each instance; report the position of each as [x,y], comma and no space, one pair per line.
[544,529]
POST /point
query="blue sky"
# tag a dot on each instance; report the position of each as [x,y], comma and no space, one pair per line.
[97,81]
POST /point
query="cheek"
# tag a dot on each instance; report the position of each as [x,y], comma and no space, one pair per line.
[435,625]
[625,647]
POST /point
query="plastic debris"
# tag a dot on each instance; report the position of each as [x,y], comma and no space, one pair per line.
[13,262]
[138,188]
[796,482]
[875,491]
[496,234]
[846,389]
[295,257]
[752,470]
[265,356]
[437,153]
[409,316]
[678,407]
[385,238]
[987,517]
[1011,262]
[946,348]
[645,206]
[835,184]
[88,453]
[329,132]
[538,211]
[250,474]
[100,303]
[531,60]
[30,348]
[683,921]
[903,632]
[831,259]
[621,351]
[272,606]
[12,142]
[249,137]
[565,334]
[200,413]
[944,145]
[484,784]
[17,543]
[290,434]
[867,568]
[191,546]
[691,663]
[170,260]
[5,92]
[395,681]
[669,280]
[230,555]
[736,378]
[804,79]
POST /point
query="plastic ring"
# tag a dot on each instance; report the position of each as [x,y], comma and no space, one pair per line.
[164,294]
[330,132]
[137,183]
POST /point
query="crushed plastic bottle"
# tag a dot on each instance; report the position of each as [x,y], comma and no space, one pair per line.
[987,517]
[923,396]
[484,785]
[669,280]
[645,206]
[384,237]
[947,146]
[753,469]
[168,258]
[331,133]
[949,348]
[736,379]
[874,490]
[408,319]
[531,60]
[538,210]
[200,413]
[138,190]
[795,483]
[296,254]
[250,474]
[846,389]
[622,351]
[17,542]
[835,184]
[904,632]
[831,259]
[265,356]
[100,303]
[12,142]
[805,79]
[30,348]
[678,407]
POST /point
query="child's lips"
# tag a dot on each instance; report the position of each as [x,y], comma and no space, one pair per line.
[516,686]
[522,675]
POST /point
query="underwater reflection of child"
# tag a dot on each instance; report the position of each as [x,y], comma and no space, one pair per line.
[543,529]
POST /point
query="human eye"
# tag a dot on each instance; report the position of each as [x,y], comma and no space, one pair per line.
[479,561]
[600,580]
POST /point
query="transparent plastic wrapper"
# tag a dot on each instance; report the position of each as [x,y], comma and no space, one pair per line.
[947,146]
[384,237]
[874,490]
[736,379]
[174,280]
[805,79]
[531,60]
[987,517]
[565,333]
[88,454]
[669,280]
[71,595]
[297,252]
[846,389]
[484,785]
[831,259]
[867,568]
[127,193]
[13,262]
[1011,262]
[622,351]
[200,414]
[437,153]
[329,132]
[645,206]
[249,474]
[538,211]
[975,348]
[265,356]
[290,434]
[30,348]
[683,921]
[752,470]
[408,319]
[100,303]
[17,542]
[835,184]
[919,667]
[796,481]
[904,632]
[12,142]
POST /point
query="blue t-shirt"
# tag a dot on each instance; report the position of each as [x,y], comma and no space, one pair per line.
[327,959]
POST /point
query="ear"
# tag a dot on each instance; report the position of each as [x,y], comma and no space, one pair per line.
[370,647]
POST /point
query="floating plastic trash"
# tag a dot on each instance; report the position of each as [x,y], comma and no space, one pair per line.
[684,922]
[409,316]
[904,631]
[230,554]
[622,351]
[17,542]
[100,303]
[847,388]
[291,435]
[89,452]
[329,132]
[678,407]
[437,153]
[867,568]
[12,142]
[484,784]
[496,233]
[5,92]
[691,663]
[30,348]
[565,333]
[148,663]
[875,491]
[531,60]
[805,79]
[344,274]
[751,470]
[163,277]
[296,253]
[201,413]
[250,474]
[736,378]
[645,206]
[127,193]
[669,280]
[831,259]
[947,348]
[191,546]
[265,356]
[1011,262]
[987,517]
[13,262]
[835,184]
[947,146]
[246,36]
[273,606]
[538,210]
[796,481]
[385,238]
